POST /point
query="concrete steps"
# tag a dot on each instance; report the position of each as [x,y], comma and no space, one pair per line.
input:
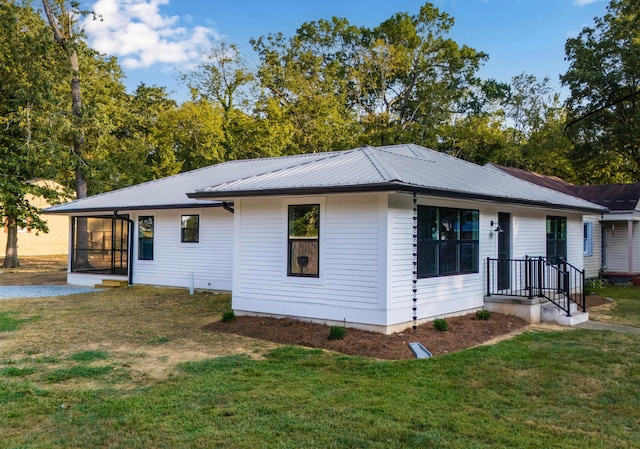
[552,313]
[112,283]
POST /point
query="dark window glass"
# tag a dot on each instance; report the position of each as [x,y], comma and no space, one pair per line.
[303,240]
[145,238]
[556,239]
[447,241]
[190,232]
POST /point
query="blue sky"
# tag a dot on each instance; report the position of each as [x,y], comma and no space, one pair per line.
[156,40]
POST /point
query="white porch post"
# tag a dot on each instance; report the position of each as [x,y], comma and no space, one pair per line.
[630,245]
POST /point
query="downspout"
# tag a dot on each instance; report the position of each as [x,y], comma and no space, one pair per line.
[630,246]
[131,243]
[415,261]
[227,207]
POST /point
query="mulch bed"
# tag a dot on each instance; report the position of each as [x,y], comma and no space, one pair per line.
[464,332]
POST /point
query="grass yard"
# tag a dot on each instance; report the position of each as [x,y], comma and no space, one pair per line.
[133,368]
[625,308]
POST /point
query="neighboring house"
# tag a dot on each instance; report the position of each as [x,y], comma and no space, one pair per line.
[611,239]
[370,237]
[33,243]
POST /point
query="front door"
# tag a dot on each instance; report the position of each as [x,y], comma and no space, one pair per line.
[504,250]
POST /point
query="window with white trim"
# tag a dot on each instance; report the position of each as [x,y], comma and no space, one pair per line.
[304,240]
[588,238]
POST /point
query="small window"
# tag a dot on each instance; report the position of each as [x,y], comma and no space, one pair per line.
[190,232]
[304,232]
[588,239]
[145,238]
[556,239]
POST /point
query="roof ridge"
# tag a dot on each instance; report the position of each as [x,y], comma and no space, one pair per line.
[386,174]
[324,155]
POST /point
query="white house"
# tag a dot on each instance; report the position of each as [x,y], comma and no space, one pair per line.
[381,238]
[377,238]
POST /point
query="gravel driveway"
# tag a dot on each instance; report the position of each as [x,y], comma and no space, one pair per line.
[40,291]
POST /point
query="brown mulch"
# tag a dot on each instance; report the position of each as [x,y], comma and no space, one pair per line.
[464,332]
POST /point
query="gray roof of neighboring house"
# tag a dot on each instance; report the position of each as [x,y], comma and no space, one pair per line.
[615,197]
[391,168]
[399,167]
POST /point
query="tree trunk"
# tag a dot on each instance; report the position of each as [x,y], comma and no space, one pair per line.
[11,256]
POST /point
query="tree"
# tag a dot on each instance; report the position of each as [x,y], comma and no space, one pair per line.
[62,23]
[25,112]
[334,85]
[604,82]
[224,79]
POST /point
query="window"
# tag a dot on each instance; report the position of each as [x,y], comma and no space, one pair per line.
[190,232]
[447,241]
[304,232]
[588,239]
[145,238]
[556,238]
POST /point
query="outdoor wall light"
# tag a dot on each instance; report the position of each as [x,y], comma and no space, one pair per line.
[498,228]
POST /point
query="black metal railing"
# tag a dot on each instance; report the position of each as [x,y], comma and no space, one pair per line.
[560,283]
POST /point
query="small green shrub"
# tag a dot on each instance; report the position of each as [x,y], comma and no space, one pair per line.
[337,332]
[440,324]
[483,315]
[228,316]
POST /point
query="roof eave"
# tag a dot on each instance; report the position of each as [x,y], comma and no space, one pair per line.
[130,208]
[384,187]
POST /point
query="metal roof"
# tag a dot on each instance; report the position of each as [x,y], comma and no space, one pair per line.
[170,192]
[388,168]
[400,167]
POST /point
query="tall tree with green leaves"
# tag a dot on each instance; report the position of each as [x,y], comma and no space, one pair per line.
[224,80]
[29,75]
[604,102]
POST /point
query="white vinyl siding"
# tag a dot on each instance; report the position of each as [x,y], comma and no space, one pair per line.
[593,261]
[210,260]
[617,238]
[347,287]
[366,258]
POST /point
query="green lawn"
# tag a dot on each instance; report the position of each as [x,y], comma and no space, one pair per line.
[569,389]
[575,389]
[626,307]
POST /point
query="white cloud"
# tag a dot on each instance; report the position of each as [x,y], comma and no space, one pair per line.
[584,2]
[142,36]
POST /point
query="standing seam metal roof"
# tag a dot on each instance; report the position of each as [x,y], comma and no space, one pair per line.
[400,167]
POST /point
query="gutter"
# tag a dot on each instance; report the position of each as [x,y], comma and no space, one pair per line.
[386,187]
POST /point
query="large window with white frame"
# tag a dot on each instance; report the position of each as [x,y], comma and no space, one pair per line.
[448,241]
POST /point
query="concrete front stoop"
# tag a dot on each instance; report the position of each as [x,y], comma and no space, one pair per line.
[552,313]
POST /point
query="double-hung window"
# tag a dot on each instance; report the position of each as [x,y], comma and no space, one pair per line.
[587,245]
[447,241]
[303,240]
[190,229]
[556,239]
[145,238]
